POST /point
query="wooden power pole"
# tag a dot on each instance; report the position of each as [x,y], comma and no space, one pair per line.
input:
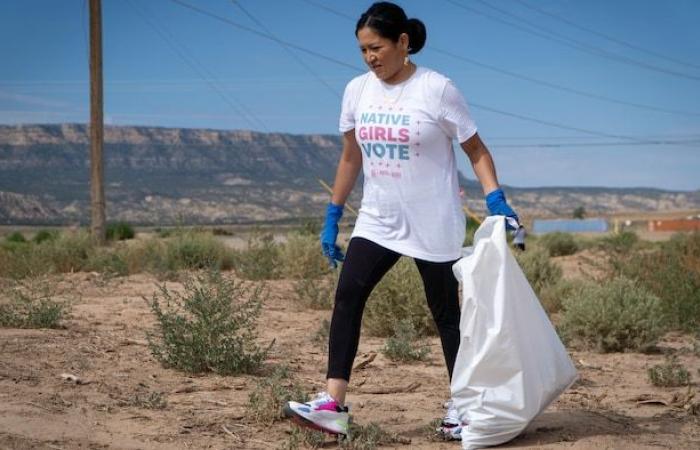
[97,193]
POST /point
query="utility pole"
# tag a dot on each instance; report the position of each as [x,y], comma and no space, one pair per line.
[97,194]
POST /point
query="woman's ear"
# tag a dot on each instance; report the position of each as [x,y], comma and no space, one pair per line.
[403,41]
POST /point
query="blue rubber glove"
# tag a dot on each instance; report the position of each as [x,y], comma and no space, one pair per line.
[497,205]
[329,234]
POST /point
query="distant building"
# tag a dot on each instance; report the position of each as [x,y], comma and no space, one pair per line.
[674,225]
[542,226]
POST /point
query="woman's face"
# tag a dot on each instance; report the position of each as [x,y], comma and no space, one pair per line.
[383,56]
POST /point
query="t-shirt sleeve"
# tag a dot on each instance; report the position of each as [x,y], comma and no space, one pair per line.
[347,111]
[454,114]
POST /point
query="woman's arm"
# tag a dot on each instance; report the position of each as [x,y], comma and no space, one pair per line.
[485,170]
[482,163]
[348,169]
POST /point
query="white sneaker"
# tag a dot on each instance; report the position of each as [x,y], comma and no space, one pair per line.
[451,425]
[322,413]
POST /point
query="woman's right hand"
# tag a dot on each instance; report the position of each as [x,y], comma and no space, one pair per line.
[329,235]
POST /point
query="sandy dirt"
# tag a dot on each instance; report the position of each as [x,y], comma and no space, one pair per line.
[610,407]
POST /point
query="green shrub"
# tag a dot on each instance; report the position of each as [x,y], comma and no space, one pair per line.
[552,295]
[208,327]
[32,304]
[400,295]
[310,226]
[16,237]
[69,252]
[120,231]
[615,316]
[261,260]
[20,261]
[669,374]
[301,257]
[472,226]
[164,232]
[194,249]
[672,272]
[109,261]
[369,437]
[316,293]
[303,438]
[44,235]
[559,244]
[218,231]
[621,242]
[404,344]
[270,395]
[146,399]
[322,333]
[541,272]
[147,255]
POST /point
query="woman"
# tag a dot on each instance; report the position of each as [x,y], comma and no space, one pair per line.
[398,122]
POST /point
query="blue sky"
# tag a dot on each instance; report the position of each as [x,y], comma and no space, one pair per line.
[168,65]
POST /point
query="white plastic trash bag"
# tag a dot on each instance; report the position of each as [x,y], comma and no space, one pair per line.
[511,364]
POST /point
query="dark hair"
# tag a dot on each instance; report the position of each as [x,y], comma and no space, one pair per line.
[389,21]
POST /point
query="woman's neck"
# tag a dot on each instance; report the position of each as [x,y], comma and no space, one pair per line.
[403,74]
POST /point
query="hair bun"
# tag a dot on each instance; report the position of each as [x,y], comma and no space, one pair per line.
[416,35]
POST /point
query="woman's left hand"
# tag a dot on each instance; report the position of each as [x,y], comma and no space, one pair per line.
[498,206]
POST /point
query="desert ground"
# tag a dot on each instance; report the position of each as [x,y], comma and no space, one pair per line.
[95,385]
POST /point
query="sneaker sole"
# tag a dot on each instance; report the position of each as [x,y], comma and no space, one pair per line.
[304,422]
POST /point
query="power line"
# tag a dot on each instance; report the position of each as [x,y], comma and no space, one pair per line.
[330,10]
[206,75]
[266,35]
[554,124]
[527,78]
[605,36]
[563,88]
[484,107]
[289,51]
[566,41]
[689,143]
[692,136]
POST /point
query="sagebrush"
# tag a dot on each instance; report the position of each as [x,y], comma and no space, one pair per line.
[209,327]
[369,437]
[671,270]
[266,401]
[559,244]
[119,231]
[32,304]
[671,373]
[544,276]
[316,293]
[614,316]
[399,295]
[405,344]
[301,257]
[261,259]
[196,249]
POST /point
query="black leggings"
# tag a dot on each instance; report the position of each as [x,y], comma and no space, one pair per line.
[365,264]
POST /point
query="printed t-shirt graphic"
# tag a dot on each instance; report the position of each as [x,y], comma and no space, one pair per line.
[410,200]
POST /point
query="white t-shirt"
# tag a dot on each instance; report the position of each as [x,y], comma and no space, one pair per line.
[410,201]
